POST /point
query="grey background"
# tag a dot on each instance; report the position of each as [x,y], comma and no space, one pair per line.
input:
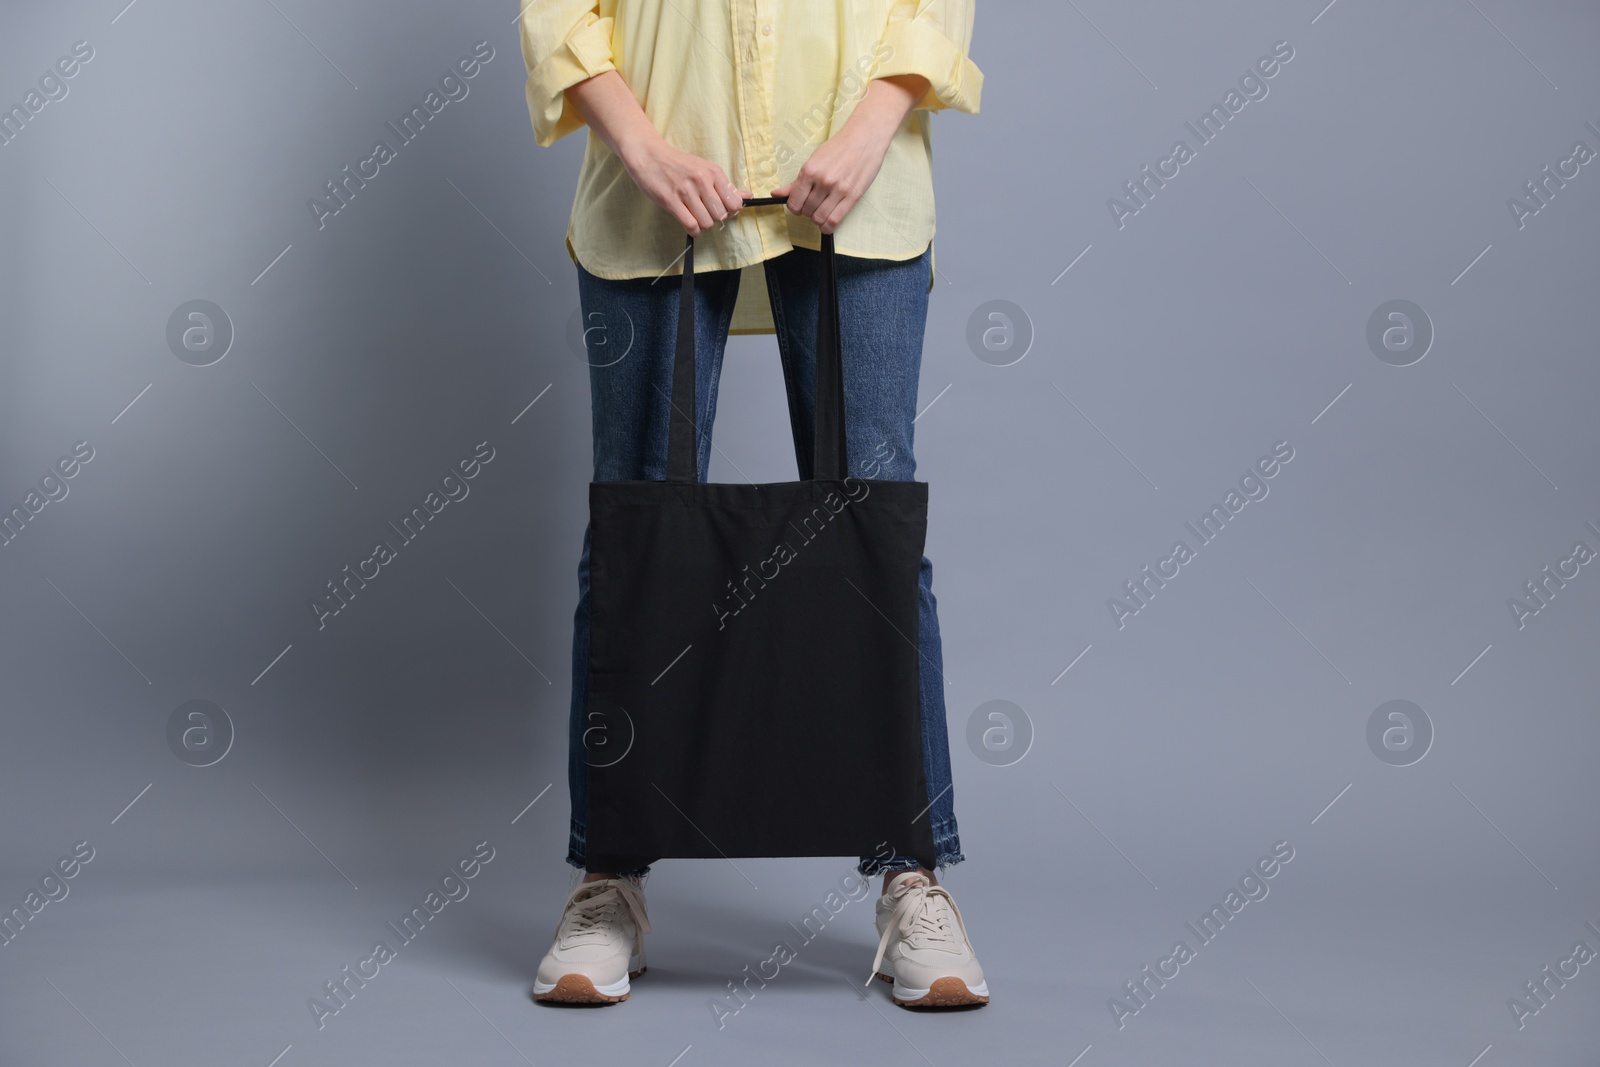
[1229,314]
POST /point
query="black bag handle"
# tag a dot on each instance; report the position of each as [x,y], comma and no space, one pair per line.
[828,436]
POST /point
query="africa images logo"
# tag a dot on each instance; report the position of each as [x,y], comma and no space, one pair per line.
[453,87]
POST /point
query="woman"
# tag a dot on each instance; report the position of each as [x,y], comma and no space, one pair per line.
[826,105]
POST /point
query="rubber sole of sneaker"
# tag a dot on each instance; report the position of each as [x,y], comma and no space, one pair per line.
[578,989]
[949,992]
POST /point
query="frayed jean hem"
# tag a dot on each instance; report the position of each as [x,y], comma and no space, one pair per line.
[575,843]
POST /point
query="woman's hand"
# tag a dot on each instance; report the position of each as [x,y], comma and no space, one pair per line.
[840,169]
[695,191]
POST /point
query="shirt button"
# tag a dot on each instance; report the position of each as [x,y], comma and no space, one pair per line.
[766,29]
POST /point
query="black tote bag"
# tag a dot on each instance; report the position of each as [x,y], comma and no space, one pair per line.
[753,661]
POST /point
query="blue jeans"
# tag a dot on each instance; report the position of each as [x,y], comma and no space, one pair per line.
[631,333]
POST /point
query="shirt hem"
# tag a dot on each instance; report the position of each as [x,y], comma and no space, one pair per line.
[742,261]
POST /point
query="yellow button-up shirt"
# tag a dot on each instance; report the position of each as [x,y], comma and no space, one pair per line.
[753,86]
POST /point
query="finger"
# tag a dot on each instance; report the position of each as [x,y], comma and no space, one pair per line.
[673,205]
[818,195]
[831,215]
[823,189]
[732,196]
[716,202]
[834,210]
[687,207]
[704,189]
[797,192]
[702,217]
[706,208]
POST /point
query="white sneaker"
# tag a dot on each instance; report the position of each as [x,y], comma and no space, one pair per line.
[599,945]
[923,947]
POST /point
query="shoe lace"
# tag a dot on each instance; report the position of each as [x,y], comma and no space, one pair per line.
[593,908]
[923,914]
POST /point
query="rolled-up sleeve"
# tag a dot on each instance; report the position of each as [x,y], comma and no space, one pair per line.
[932,38]
[564,42]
